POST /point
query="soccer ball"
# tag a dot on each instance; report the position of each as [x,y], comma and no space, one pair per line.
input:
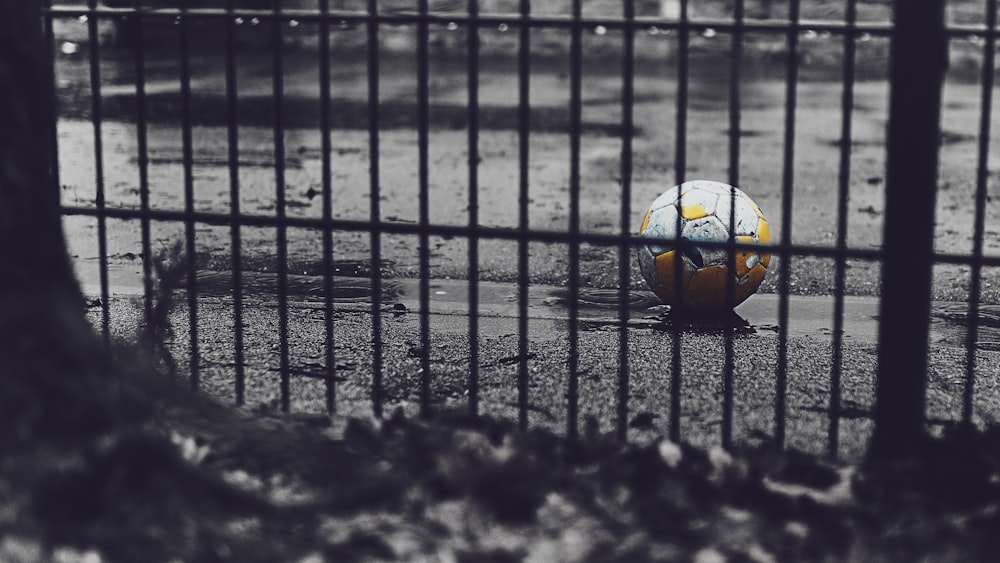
[704,209]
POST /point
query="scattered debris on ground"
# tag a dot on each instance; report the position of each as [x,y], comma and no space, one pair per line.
[196,481]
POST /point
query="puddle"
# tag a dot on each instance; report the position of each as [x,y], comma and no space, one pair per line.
[958,313]
[950,324]
[127,281]
[717,323]
[311,288]
[758,315]
[596,298]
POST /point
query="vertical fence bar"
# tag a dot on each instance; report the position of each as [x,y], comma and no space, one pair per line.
[235,235]
[735,56]
[523,139]
[843,191]
[573,282]
[683,79]
[625,213]
[472,71]
[50,45]
[423,143]
[96,119]
[918,61]
[327,187]
[987,78]
[187,160]
[142,158]
[787,183]
[680,173]
[375,212]
[278,85]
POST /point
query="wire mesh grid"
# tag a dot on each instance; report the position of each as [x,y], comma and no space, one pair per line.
[372,20]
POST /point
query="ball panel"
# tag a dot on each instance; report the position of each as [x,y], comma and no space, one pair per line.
[647,265]
[665,199]
[763,237]
[666,293]
[763,231]
[663,225]
[709,186]
[698,202]
[706,229]
[746,218]
[723,212]
[746,262]
[693,211]
[645,221]
[745,259]
[748,286]
[707,288]
[666,273]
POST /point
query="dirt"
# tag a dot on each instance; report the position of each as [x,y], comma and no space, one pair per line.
[198,482]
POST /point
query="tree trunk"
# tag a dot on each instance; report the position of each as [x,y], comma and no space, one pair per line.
[54,376]
[32,250]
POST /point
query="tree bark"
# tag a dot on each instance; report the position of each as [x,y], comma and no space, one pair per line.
[32,249]
[54,378]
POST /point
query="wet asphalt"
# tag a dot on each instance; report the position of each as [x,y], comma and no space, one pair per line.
[709,402]
[713,406]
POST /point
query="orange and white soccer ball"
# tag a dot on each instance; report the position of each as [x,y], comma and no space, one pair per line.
[704,208]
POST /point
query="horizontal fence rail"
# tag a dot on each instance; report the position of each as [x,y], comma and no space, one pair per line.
[503,233]
[639,23]
[373,22]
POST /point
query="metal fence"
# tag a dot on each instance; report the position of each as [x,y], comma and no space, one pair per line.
[142,23]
